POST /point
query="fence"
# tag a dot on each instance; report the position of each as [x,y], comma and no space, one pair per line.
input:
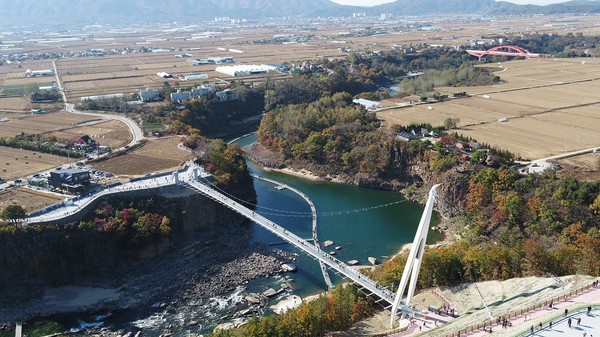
[489,323]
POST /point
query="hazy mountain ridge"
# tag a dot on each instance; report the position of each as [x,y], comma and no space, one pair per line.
[78,12]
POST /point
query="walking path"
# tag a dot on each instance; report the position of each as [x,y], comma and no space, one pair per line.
[314,223]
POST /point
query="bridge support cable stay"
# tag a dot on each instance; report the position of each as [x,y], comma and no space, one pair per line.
[413,263]
[314,225]
[330,261]
[189,178]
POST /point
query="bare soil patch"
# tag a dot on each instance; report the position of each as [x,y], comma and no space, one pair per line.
[50,122]
[155,155]
[585,167]
[18,163]
[30,200]
[112,133]
[18,103]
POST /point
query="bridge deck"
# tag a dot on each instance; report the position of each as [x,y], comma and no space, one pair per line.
[306,247]
[314,225]
[188,177]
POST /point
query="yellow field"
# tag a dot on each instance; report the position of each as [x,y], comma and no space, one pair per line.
[557,117]
[156,155]
[18,163]
[111,133]
[30,200]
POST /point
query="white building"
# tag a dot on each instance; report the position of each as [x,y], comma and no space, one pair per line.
[246,70]
[193,77]
[227,59]
[202,90]
[149,95]
[369,105]
[164,75]
[180,96]
[37,73]
[227,95]
[97,97]
[48,88]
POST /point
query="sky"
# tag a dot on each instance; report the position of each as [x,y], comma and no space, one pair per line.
[378,2]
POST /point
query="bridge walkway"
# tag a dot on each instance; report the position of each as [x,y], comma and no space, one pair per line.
[320,255]
[314,224]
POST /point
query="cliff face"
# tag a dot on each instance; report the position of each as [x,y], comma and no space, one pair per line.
[403,172]
[51,255]
[452,192]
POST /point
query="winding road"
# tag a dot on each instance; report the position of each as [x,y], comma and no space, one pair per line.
[136,132]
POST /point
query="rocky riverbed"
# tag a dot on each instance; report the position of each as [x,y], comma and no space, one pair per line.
[203,266]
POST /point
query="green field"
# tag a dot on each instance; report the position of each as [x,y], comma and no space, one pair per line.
[22,89]
[153,127]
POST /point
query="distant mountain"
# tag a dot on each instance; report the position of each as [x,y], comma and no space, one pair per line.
[32,12]
[80,12]
[488,7]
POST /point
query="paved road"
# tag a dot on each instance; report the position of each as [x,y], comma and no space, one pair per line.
[136,131]
[78,204]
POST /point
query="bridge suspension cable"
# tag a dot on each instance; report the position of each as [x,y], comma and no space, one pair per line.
[296,214]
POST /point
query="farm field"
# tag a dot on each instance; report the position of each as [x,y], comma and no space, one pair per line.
[46,123]
[541,122]
[521,74]
[24,88]
[583,167]
[112,133]
[18,103]
[30,200]
[156,155]
[18,163]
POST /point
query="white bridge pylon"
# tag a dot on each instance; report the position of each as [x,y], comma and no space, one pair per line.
[413,263]
[189,177]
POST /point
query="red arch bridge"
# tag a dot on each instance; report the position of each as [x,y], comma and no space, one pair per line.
[513,51]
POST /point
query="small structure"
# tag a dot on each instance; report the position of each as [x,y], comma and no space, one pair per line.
[227,95]
[180,96]
[84,140]
[194,77]
[203,90]
[369,105]
[149,95]
[164,75]
[406,136]
[99,97]
[39,73]
[48,88]
[69,179]
[246,70]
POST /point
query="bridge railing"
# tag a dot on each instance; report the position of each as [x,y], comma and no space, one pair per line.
[297,241]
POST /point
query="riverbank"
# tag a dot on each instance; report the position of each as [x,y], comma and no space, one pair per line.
[193,273]
[269,161]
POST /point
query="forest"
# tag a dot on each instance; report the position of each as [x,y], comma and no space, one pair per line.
[335,311]
[511,225]
[515,226]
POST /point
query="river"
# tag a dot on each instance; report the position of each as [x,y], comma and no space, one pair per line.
[350,216]
[349,220]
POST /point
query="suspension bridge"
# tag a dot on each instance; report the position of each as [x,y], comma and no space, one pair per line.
[191,176]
